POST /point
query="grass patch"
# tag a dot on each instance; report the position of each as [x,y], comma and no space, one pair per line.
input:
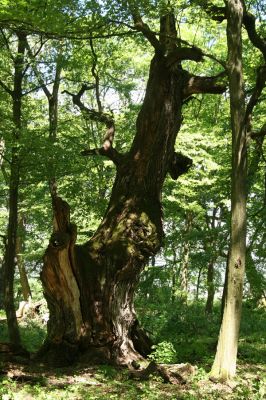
[32,332]
[182,333]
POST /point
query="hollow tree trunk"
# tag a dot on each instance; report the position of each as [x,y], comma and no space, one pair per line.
[90,288]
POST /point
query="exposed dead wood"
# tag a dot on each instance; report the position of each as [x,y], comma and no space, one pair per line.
[176,374]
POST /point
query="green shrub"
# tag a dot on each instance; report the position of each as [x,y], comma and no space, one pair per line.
[163,352]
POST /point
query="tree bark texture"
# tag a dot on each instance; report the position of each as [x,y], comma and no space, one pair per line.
[10,253]
[224,366]
[90,288]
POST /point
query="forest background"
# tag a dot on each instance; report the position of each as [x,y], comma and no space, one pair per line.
[69,46]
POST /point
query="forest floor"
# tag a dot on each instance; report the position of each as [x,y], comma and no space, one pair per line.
[27,380]
[32,381]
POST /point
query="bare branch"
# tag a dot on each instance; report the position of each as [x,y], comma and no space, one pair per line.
[203,84]
[184,53]
[97,116]
[140,26]
[110,153]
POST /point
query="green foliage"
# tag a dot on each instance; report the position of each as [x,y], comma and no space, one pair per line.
[163,352]
[32,330]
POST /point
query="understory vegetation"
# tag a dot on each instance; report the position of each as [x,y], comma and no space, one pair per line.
[181,333]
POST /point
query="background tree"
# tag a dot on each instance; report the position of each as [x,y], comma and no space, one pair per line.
[10,251]
[224,366]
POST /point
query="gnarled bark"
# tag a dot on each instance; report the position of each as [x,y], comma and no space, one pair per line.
[90,288]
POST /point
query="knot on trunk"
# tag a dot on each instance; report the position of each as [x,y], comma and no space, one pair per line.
[179,165]
[60,239]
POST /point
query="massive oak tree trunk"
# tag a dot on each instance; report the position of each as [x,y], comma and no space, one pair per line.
[90,288]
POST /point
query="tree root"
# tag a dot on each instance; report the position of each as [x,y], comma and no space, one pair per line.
[176,374]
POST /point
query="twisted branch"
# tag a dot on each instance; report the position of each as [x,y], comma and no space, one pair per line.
[107,148]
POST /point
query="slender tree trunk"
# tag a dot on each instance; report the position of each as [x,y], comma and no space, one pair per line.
[24,282]
[2,237]
[10,254]
[184,273]
[1,287]
[224,366]
[210,288]
[198,284]
[53,122]
[185,261]
[174,277]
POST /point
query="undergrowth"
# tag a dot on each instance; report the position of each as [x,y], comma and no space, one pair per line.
[181,333]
